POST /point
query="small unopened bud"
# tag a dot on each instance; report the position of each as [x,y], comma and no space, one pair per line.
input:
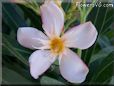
[58,2]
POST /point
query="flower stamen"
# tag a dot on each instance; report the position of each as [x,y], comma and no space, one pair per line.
[57,45]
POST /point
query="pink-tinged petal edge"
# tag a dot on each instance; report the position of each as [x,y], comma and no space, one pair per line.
[40,61]
[52,18]
[72,67]
[30,37]
[82,36]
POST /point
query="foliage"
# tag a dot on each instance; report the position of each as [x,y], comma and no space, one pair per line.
[15,57]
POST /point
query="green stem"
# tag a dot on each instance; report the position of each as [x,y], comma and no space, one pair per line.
[90,8]
[69,23]
[82,20]
[79,52]
[84,9]
[84,15]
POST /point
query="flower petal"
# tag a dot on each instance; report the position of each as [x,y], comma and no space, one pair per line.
[40,61]
[30,37]
[82,36]
[53,18]
[72,68]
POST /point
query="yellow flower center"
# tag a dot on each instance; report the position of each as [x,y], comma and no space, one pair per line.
[57,45]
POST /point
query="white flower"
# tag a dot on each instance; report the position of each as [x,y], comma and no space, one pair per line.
[53,45]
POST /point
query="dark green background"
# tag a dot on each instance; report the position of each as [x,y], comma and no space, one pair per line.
[99,57]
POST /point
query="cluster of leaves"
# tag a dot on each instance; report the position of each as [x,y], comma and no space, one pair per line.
[99,57]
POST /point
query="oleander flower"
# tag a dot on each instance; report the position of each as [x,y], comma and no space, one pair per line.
[53,45]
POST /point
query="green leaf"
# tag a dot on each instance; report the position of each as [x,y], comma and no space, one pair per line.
[102,54]
[112,80]
[100,70]
[16,46]
[49,81]
[13,15]
[12,77]
[66,5]
[104,41]
[101,22]
[33,17]
[8,45]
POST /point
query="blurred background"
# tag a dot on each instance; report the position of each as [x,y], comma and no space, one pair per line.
[99,57]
